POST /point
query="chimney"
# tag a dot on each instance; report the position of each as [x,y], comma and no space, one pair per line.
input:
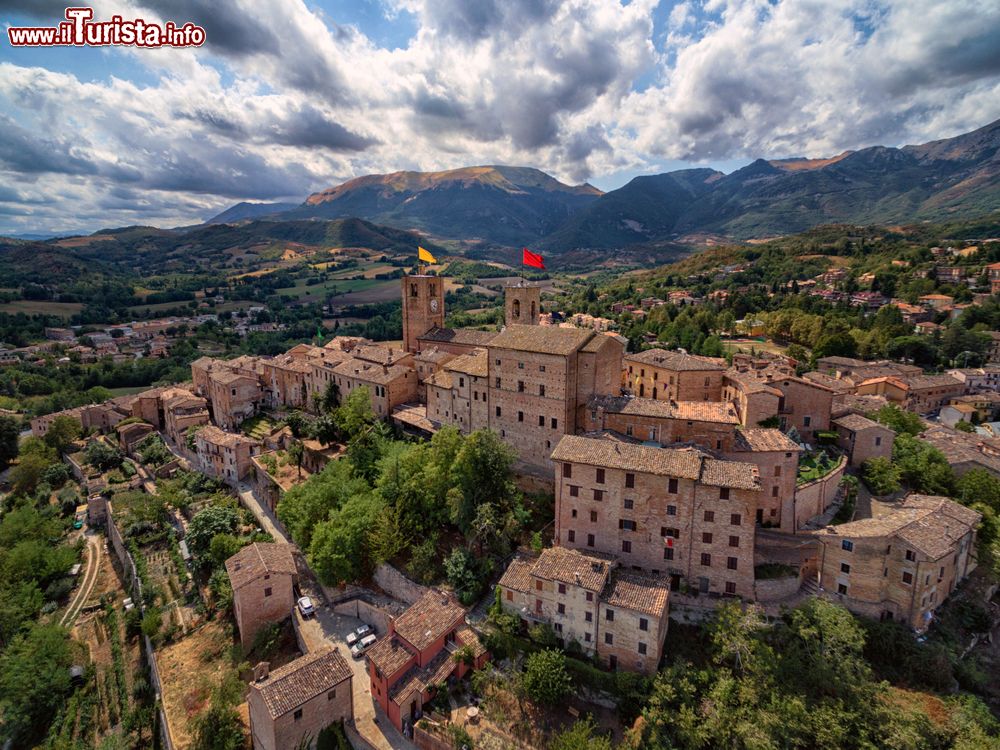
[261,671]
[576,575]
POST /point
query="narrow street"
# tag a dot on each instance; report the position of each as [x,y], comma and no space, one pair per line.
[264,517]
[94,545]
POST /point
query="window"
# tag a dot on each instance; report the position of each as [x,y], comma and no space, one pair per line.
[847,545]
[541,390]
[613,662]
[845,568]
[561,608]
[461,383]
[590,596]
[706,559]
[541,368]
[732,563]
[666,531]
[538,605]
[630,480]
[590,540]
[497,381]
[668,553]
[734,541]
[706,537]
[598,495]
[571,536]
[731,587]
[642,648]
[672,489]
[574,491]
[907,578]
[586,636]
[298,714]
[568,471]
[520,386]
[671,510]
[593,516]
[557,627]
[709,516]
[910,556]
[643,623]
[627,524]
[538,585]
[735,519]
[629,503]
[267,591]
[510,596]
[609,639]
[723,493]
[878,441]
[626,546]
[806,421]
[777,471]
[842,588]
[555,423]
[331,695]
[562,588]
[589,617]
[573,513]
[520,416]
[774,491]
[498,411]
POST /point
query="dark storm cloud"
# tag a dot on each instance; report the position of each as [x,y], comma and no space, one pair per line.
[308,127]
[23,152]
[215,121]
[228,29]
[232,173]
[477,19]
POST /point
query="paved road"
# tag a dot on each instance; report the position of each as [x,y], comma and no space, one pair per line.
[328,627]
[89,579]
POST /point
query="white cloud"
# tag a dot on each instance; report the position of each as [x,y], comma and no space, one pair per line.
[283,101]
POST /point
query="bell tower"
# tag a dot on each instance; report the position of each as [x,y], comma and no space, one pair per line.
[522,305]
[423,307]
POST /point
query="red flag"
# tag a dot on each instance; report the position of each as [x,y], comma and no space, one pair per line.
[532,259]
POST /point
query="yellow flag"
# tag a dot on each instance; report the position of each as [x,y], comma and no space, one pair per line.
[425,256]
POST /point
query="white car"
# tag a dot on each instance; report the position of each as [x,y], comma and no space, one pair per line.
[363,645]
[357,633]
[306,608]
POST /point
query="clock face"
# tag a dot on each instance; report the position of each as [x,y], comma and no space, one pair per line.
[434,305]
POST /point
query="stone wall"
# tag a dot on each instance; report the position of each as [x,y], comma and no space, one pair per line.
[397,585]
[369,613]
[813,498]
[773,589]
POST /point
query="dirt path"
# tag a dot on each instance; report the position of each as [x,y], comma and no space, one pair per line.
[89,579]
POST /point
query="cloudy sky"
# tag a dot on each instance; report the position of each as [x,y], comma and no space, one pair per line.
[291,96]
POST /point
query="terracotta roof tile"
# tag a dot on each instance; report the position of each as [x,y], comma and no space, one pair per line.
[587,570]
[389,655]
[433,615]
[700,411]
[638,592]
[857,423]
[461,336]
[259,558]
[677,361]
[476,364]
[518,575]
[288,687]
[764,439]
[542,339]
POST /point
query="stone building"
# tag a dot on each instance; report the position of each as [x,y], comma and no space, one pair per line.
[427,362]
[678,512]
[922,394]
[522,304]
[297,701]
[796,402]
[776,457]
[619,615]
[224,455]
[457,394]
[901,566]
[538,379]
[710,424]
[232,387]
[285,381]
[674,375]
[863,438]
[423,308]
[408,663]
[262,575]
[181,412]
[388,385]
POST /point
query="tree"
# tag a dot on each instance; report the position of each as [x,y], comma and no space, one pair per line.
[9,433]
[881,475]
[206,524]
[62,432]
[296,423]
[545,678]
[218,727]
[26,475]
[355,414]
[899,421]
[103,456]
[296,452]
[482,471]
[337,552]
[581,735]
[34,683]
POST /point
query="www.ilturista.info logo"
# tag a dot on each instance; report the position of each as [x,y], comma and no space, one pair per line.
[79,30]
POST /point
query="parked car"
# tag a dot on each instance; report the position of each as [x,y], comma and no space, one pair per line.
[306,608]
[358,633]
[363,645]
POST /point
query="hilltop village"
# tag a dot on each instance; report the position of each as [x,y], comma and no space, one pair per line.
[679,482]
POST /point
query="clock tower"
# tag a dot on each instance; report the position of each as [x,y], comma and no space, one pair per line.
[423,308]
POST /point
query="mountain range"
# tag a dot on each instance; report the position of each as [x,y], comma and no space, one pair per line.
[952,178]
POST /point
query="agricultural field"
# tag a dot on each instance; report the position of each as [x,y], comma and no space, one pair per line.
[42,307]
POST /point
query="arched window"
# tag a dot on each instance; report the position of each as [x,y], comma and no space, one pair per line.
[532,309]
[517,308]
[413,290]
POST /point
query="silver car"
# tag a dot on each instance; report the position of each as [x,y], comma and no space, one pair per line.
[358,633]
[363,645]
